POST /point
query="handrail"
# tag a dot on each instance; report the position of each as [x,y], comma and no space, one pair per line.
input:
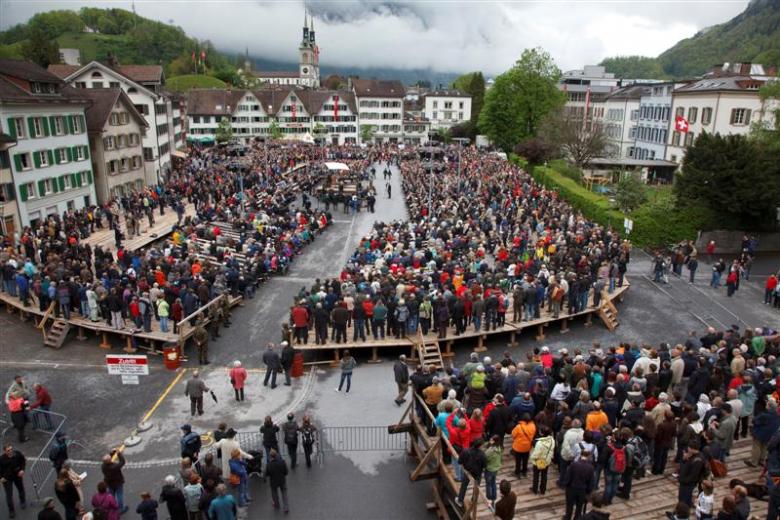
[47,315]
[477,492]
[180,325]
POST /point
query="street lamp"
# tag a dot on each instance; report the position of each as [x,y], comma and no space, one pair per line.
[460,141]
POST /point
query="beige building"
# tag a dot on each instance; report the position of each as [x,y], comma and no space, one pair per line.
[116,132]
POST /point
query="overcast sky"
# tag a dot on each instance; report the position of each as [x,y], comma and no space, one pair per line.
[448,36]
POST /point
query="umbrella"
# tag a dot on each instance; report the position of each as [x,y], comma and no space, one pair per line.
[213,396]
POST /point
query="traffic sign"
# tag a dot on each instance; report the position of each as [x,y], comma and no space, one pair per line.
[126,365]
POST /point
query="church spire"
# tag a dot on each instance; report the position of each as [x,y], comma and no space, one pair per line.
[311,29]
[305,40]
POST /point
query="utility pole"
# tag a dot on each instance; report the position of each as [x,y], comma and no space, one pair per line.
[460,141]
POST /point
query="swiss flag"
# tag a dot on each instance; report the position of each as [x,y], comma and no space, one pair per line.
[681,124]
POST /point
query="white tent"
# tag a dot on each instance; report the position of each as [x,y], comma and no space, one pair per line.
[336,166]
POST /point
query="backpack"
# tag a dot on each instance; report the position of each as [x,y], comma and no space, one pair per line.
[617,461]
[402,313]
[641,455]
[192,444]
[478,380]
[290,435]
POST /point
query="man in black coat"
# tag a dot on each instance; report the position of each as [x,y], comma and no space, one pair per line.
[273,365]
[474,462]
[499,422]
[12,464]
[578,482]
[288,354]
[173,497]
[276,472]
[401,375]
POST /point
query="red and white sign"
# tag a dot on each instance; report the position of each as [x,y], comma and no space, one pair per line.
[681,124]
[127,365]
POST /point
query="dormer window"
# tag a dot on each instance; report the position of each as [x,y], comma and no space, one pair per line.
[96,74]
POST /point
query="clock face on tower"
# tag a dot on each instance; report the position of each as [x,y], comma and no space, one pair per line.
[306,70]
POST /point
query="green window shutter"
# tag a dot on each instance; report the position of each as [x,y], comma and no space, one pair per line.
[69,123]
[83,124]
[18,162]
[23,192]
[89,176]
[86,152]
[70,153]
[37,159]
[45,122]
[41,188]
[12,127]
[73,182]
[78,178]
[51,156]
[31,126]
[52,126]
[61,182]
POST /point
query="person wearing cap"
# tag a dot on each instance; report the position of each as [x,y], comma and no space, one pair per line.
[286,360]
[190,443]
[48,512]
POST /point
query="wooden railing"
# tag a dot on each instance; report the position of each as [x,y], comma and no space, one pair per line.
[181,324]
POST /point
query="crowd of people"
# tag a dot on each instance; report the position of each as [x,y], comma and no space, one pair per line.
[492,243]
[606,417]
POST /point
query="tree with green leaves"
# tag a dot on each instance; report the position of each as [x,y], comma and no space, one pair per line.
[636,67]
[40,49]
[224,130]
[520,99]
[274,130]
[366,133]
[630,194]
[472,84]
[735,177]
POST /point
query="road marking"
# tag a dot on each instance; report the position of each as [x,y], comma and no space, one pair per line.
[164,394]
[48,364]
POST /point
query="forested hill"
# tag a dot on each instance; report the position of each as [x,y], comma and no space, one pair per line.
[752,36]
[98,32]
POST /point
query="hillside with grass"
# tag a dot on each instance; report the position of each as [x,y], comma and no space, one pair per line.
[189,81]
[101,34]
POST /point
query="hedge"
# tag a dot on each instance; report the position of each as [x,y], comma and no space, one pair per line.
[657,223]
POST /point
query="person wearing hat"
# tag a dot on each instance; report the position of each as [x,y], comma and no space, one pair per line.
[190,443]
[48,512]
[201,338]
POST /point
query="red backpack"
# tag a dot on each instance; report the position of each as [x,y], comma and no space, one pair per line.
[617,461]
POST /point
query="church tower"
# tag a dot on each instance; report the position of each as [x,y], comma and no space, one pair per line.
[309,67]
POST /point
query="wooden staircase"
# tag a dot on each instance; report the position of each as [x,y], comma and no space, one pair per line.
[608,314]
[56,335]
[429,352]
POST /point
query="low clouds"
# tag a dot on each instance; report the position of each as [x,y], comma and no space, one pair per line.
[447,36]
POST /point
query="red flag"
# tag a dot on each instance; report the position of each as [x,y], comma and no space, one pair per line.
[193,55]
[203,55]
[681,124]
[294,110]
[335,108]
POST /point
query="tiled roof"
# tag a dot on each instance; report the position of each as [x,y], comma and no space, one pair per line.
[13,93]
[276,74]
[27,71]
[63,71]
[213,101]
[446,93]
[317,98]
[378,88]
[630,92]
[103,101]
[732,83]
[142,73]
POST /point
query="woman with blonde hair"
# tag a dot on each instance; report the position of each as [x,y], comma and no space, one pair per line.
[68,495]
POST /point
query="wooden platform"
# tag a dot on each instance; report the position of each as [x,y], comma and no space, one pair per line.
[651,496]
[537,326]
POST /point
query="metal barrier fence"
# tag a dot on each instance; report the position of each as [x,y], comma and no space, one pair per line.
[361,438]
[41,469]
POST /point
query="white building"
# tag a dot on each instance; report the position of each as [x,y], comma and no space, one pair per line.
[447,108]
[144,86]
[652,126]
[308,73]
[620,119]
[381,108]
[50,165]
[303,114]
[70,56]
[587,90]
[726,101]
[116,131]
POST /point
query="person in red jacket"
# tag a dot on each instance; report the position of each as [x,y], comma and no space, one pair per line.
[299,315]
[769,288]
[42,402]
[460,438]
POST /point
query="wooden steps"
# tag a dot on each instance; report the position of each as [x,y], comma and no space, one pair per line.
[56,335]
[608,314]
[430,353]
[651,496]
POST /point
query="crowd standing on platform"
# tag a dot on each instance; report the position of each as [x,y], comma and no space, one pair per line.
[607,417]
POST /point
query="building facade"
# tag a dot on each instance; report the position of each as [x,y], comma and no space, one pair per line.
[50,163]
[620,119]
[381,109]
[116,131]
[144,85]
[651,131]
[10,222]
[587,91]
[726,101]
[446,108]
